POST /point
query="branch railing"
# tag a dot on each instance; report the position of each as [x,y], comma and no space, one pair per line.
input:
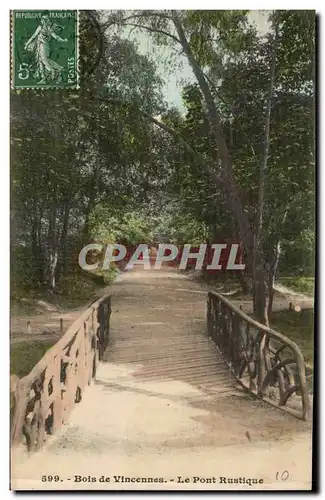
[266,362]
[45,397]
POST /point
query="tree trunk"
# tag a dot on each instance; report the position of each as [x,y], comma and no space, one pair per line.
[92,199]
[260,289]
[275,262]
[272,274]
[64,239]
[227,171]
[245,283]
[36,245]
[52,258]
[260,275]
[264,163]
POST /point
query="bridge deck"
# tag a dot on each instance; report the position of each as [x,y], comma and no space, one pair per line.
[164,405]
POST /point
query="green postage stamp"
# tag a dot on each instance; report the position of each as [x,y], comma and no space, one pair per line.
[44,49]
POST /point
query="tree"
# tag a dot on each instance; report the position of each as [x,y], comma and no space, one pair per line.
[215,40]
[78,153]
[238,164]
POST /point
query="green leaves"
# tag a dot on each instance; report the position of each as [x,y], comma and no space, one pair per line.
[105,160]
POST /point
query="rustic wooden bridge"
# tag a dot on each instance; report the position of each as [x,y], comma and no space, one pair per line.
[149,379]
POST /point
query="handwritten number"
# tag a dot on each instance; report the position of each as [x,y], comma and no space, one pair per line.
[283,476]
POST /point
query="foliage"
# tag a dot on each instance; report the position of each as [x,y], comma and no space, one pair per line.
[302,284]
[128,228]
[112,162]
[299,327]
[79,152]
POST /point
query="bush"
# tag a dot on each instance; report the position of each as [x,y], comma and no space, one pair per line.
[106,276]
[299,284]
[75,289]
[24,270]
[299,327]
[82,286]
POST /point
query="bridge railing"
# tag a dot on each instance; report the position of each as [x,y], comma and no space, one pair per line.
[264,361]
[45,397]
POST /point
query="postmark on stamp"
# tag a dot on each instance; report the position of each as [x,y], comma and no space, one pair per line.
[44,49]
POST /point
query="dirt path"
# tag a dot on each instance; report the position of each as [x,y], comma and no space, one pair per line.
[47,327]
[164,406]
[296,296]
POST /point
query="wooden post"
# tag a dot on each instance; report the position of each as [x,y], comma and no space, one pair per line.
[93,319]
[57,401]
[21,401]
[209,318]
[61,325]
[29,330]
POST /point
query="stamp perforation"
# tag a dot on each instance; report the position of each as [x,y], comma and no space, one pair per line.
[39,68]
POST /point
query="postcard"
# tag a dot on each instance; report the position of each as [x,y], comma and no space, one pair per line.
[162,249]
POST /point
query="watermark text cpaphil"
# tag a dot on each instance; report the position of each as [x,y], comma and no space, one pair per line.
[212,257]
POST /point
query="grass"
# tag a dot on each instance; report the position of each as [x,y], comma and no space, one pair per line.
[79,289]
[25,355]
[20,308]
[299,327]
[300,284]
[73,291]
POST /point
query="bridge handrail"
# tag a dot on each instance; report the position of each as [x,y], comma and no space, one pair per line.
[45,397]
[247,347]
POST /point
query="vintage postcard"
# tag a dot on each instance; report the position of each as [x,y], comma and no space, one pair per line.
[162,250]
